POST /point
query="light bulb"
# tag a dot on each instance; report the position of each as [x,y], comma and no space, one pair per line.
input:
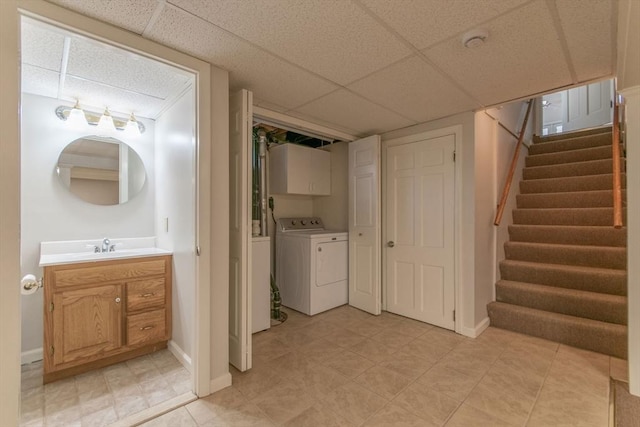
[77,119]
[132,129]
[106,125]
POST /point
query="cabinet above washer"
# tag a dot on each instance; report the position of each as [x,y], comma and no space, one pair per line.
[295,169]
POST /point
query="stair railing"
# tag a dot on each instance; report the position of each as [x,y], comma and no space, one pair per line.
[617,181]
[512,168]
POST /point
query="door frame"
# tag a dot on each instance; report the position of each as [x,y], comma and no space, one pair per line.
[55,15]
[456,131]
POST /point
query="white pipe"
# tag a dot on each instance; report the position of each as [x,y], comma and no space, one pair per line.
[262,192]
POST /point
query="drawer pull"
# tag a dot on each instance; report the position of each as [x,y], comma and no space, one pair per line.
[147,295]
[146,328]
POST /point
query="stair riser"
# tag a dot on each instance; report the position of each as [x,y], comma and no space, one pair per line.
[603,257]
[595,167]
[583,199]
[612,282]
[537,139]
[572,156]
[586,217]
[571,144]
[600,337]
[602,307]
[569,235]
[567,184]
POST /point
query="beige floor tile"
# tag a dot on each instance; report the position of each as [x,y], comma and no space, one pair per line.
[425,349]
[478,350]
[296,337]
[348,363]
[163,358]
[584,373]
[561,404]
[413,328]
[619,369]
[256,382]
[406,364]
[397,416]
[270,349]
[286,402]
[468,416]
[62,417]
[209,407]
[100,418]
[373,350]
[506,405]
[318,380]
[392,338]
[497,337]
[315,416]
[444,337]
[319,350]
[157,391]
[177,418]
[345,338]
[130,404]
[353,402]
[432,406]
[513,381]
[245,415]
[448,381]
[382,381]
[385,320]
[467,364]
[96,403]
[529,360]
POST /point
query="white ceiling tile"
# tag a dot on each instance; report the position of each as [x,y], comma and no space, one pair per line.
[333,38]
[425,22]
[97,61]
[270,78]
[522,56]
[320,122]
[127,14]
[96,97]
[268,105]
[39,81]
[353,112]
[587,28]
[41,46]
[414,89]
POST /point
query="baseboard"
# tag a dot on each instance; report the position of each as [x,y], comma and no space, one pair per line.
[223,381]
[180,355]
[31,356]
[475,332]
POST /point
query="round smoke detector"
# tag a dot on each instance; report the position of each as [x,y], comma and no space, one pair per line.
[475,38]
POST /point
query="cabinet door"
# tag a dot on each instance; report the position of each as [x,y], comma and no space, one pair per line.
[86,323]
[298,170]
[320,184]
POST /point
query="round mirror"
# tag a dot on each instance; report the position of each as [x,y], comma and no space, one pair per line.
[101,170]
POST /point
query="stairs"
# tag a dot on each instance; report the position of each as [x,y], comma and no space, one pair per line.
[564,277]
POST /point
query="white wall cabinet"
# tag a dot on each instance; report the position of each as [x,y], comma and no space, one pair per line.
[295,169]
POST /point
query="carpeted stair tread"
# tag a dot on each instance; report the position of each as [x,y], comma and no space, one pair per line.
[569,183]
[565,216]
[591,167]
[572,156]
[569,234]
[594,335]
[590,305]
[574,199]
[579,142]
[538,139]
[589,256]
[592,279]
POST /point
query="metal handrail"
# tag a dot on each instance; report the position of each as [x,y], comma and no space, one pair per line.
[512,169]
[617,180]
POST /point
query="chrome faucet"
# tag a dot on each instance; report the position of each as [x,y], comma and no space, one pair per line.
[106,245]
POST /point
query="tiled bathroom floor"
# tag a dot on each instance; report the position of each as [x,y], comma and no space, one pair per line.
[103,396]
[347,368]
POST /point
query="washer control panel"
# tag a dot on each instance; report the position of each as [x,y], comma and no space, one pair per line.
[298,224]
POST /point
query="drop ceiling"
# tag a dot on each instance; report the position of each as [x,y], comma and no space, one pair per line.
[371,66]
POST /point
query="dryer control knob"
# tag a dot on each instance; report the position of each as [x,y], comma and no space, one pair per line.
[303,222]
[294,222]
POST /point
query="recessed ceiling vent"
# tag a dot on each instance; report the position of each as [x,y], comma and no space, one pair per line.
[474,39]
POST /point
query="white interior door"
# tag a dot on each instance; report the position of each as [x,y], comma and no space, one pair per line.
[364,224]
[240,123]
[419,221]
[588,106]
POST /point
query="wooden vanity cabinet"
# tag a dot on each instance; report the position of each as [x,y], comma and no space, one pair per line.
[100,313]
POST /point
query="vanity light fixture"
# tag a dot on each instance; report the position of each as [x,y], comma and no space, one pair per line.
[65,113]
[132,127]
[76,118]
[105,124]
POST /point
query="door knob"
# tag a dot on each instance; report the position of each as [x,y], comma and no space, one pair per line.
[117,300]
[390,243]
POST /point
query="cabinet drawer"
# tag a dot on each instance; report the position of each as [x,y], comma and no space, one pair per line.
[146,327]
[107,271]
[145,294]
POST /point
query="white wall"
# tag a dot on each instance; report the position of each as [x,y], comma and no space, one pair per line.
[465,205]
[334,209]
[50,212]
[175,205]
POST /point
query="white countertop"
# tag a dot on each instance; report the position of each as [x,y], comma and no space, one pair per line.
[77,251]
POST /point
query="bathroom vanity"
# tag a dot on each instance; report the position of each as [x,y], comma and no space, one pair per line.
[104,309]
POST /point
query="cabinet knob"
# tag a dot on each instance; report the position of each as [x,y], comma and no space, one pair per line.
[390,243]
[118,300]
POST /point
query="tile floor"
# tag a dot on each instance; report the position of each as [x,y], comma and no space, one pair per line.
[103,396]
[347,368]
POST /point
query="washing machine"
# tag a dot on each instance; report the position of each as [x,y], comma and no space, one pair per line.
[312,265]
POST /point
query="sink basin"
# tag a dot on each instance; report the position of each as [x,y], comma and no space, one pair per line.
[54,257]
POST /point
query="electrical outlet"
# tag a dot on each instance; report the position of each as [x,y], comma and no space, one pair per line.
[271,204]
